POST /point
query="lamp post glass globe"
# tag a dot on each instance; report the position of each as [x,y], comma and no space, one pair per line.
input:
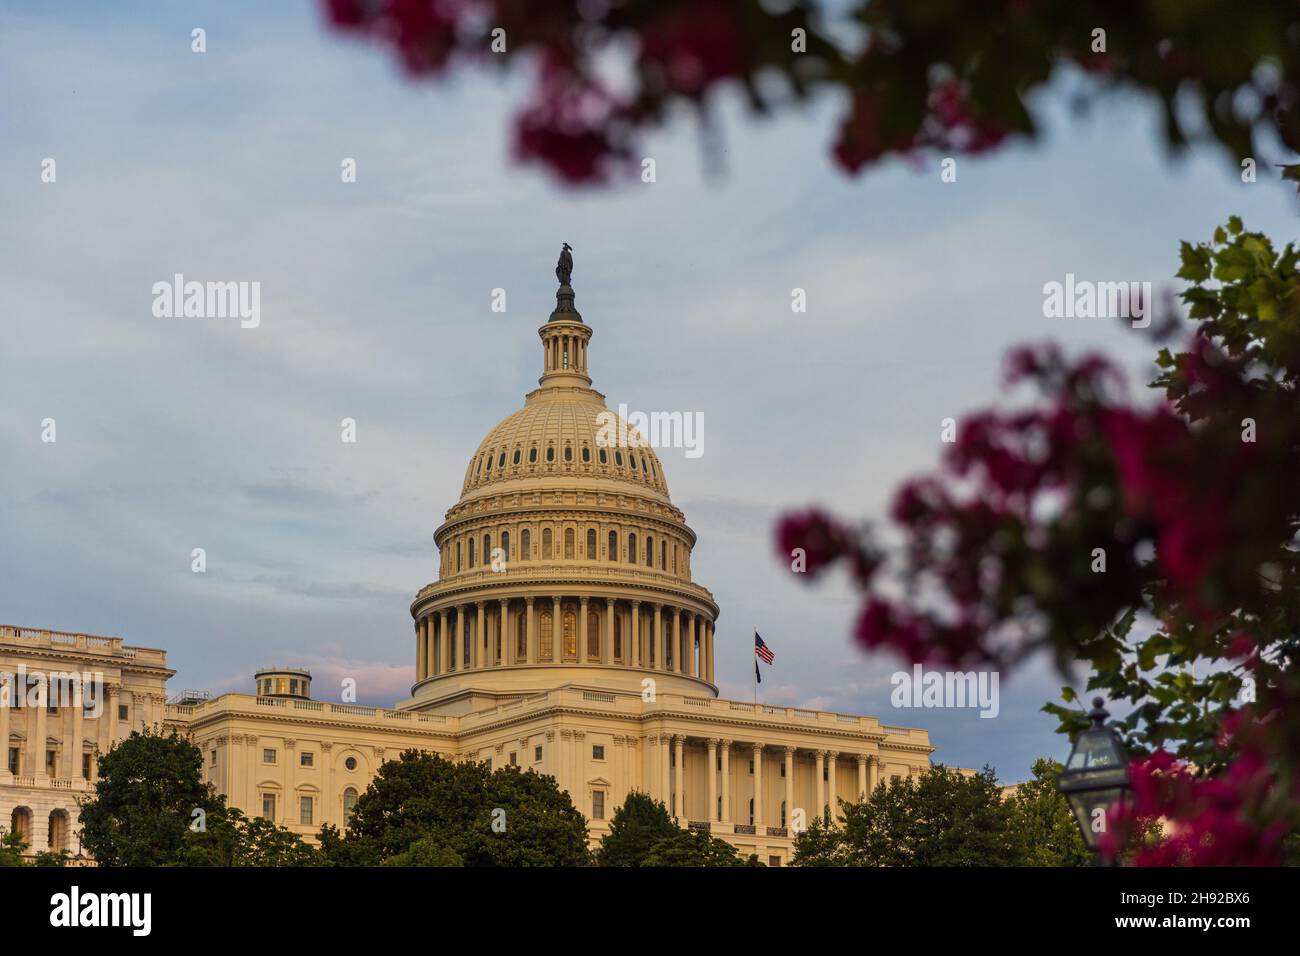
[1095,780]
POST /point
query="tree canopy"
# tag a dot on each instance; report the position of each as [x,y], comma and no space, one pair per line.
[422,810]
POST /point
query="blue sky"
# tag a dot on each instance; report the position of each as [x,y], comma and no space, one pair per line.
[376,298]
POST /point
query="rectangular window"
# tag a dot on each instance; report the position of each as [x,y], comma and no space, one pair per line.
[51,761]
[268,755]
[121,712]
[773,861]
[537,752]
[782,770]
[513,761]
[306,759]
[598,805]
[13,760]
[268,806]
[85,766]
[304,809]
[597,752]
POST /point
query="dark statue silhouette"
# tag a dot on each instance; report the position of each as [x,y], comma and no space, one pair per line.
[564,268]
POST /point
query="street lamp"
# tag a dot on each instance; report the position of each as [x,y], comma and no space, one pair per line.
[1095,778]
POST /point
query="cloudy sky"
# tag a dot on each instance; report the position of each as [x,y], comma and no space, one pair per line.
[174,434]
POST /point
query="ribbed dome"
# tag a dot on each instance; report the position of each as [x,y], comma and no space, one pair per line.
[564,432]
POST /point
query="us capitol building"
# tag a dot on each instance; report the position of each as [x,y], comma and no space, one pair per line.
[564,634]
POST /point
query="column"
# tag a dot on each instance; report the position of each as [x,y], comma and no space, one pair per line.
[679,743]
[6,683]
[557,632]
[582,630]
[831,792]
[457,642]
[862,776]
[758,790]
[711,775]
[444,642]
[708,627]
[821,784]
[420,660]
[789,788]
[607,652]
[530,635]
[726,781]
[430,644]
[503,629]
[73,746]
[107,716]
[692,620]
[663,754]
[37,742]
[677,641]
[634,641]
[658,638]
[480,656]
[874,780]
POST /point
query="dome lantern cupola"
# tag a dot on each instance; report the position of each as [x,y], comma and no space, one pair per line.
[564,336]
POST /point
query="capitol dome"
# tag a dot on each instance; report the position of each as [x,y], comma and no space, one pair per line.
[564,560]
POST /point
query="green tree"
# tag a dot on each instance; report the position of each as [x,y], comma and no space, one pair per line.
[942,818]
[426,852]
[1041,816]
[12,848]
[636,826]
[694,848]
[486,818]
[143,814]
[150,786]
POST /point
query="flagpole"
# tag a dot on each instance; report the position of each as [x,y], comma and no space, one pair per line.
[756,668]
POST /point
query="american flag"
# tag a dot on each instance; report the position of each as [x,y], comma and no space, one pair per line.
[762,651]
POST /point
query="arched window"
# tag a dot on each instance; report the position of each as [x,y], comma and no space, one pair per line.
[649,552]
[516,458]
[489,464]
[505,545]
[521,639]
[458,564]
[550,453]
[618,458]
[613,546]
[526,545]
[586,455]
[546,543]
[593,636]
[349,802]
[487,549]
[568,453]
[20,822]
[604,458]
[58,830]
[471,552]
[591,544]
[570,635]
[501,462]
[631,549]
[532,455]
[547,638]
[568,544]
[618,636]
[674,559]
[663,555]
